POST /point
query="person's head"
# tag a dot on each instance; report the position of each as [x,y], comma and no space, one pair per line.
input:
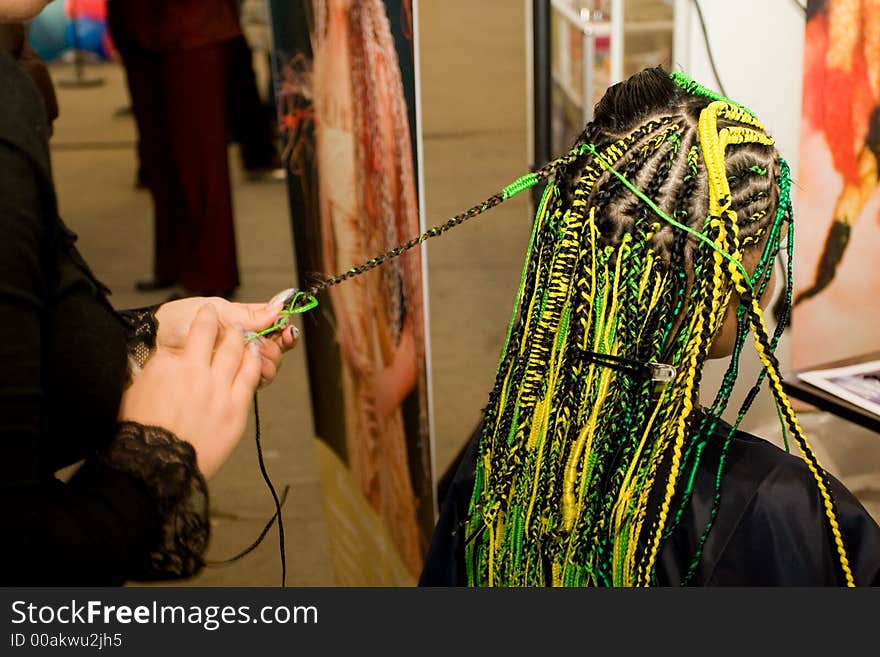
[659,122]
[658,229]
[20,10]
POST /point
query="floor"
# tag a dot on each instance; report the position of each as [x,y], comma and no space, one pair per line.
[475,142]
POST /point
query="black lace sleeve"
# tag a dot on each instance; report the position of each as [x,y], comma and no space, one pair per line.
[167,465]
[142,327]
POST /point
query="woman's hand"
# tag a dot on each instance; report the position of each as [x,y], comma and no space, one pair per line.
[175,318]
[200,391]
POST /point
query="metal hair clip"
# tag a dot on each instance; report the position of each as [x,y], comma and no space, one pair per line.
[662,372]
[658,372]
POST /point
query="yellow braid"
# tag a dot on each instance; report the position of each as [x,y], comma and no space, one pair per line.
[639,507]
[713,146]
[806,450]
[681,434]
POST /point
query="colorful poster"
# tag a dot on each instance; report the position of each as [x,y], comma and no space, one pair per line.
[837,281]
[346,89]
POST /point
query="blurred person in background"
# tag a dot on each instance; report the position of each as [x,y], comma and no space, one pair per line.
[251,117]
[177,56]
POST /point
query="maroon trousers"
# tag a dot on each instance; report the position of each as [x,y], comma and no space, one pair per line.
[179,100]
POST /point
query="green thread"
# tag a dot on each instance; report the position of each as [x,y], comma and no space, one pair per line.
[309,302]
[783,213]
[647,201]
[519,185]
[692,87]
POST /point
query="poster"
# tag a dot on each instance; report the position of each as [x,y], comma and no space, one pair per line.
[858,384]
[346,89]
[837,280]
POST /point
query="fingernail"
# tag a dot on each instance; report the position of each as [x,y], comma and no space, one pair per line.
[294,333]
[281,297]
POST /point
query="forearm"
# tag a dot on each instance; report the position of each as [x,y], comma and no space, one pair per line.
[138,510]
[90,532]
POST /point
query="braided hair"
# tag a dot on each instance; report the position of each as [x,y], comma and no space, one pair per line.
[667,217]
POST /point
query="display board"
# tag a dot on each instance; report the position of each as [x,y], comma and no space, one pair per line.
[347,92]
[837,280]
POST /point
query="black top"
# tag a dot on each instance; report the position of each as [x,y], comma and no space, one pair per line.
[63,368]
[770,530]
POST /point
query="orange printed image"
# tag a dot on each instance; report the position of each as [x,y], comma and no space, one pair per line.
[346,94]
[837,280]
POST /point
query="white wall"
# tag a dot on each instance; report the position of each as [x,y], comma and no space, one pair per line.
[758,49]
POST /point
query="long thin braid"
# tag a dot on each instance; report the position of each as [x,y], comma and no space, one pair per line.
[719,201]
[760,280]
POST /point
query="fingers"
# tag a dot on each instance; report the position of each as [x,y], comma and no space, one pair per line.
[270,360]
[268,372]
[283,296]
[270,353]
[202,335]
[286,339]
[289,338]
[272,349]
[248,377]
[255,317]
[227,357]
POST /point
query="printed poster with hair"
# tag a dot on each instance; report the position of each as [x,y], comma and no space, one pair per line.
[346,90]
[837,280]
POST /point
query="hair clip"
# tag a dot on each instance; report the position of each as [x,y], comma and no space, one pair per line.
[658,372]
[662,373]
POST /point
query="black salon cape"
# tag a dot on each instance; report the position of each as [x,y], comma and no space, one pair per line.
[771,528]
